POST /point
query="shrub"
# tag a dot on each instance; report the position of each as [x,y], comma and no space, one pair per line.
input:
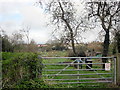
[80,52]
[20,66]
[32,84]
[59,47]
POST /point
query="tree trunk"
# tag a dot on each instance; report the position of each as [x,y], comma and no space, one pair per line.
[72,42]
[118,69]
[118,47]
[69,27]
[105,48]
[118,41]
[71,35]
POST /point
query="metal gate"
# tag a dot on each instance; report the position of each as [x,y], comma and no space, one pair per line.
[76,70]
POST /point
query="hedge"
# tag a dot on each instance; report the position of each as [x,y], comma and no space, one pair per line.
[19,67]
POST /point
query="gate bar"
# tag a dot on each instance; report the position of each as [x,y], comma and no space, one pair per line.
[72,69]
[83,82]
[74,57]
[75,74]
[70,63]
[79,79]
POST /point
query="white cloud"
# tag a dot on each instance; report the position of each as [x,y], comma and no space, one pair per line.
[17,0]
[30,16]
[17,14]
[33,16]
[40,36]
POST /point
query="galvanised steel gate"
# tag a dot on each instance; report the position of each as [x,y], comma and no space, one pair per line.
[73,70]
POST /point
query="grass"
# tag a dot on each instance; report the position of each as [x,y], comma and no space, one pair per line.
[62,54]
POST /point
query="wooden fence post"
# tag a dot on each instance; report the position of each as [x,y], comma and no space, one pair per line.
[118,69]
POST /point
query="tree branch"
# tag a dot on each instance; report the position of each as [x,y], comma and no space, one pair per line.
[61,10]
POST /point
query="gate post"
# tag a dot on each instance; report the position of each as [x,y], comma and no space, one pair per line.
[118,69]
[41,66]
[78,67]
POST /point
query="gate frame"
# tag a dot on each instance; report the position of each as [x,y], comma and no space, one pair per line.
[112,58]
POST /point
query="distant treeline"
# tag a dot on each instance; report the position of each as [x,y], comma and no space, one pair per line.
[16,44]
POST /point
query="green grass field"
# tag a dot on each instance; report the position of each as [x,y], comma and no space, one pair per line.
[67,77]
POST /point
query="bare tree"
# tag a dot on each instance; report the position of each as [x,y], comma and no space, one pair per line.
[117,40]
[64,17]
[17,38]
[32,46]
[107,14]
[17,41]
[26,33]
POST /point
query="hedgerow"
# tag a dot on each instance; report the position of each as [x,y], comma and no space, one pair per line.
[19,69]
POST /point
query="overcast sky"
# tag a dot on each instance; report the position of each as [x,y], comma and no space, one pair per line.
[18,14]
